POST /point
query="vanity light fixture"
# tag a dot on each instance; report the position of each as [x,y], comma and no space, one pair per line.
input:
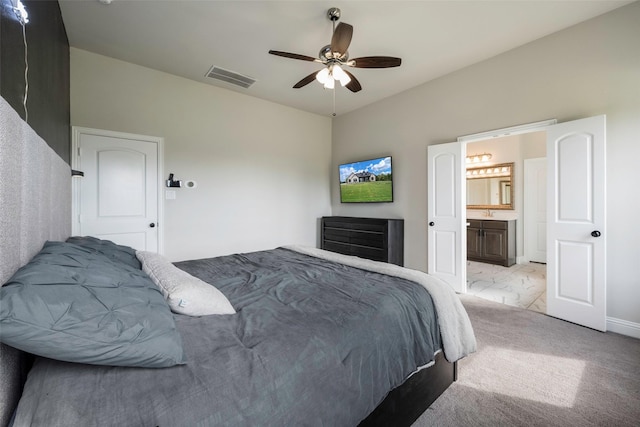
[479,158]
[488,172]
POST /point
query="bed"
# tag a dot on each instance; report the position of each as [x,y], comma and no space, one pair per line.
[309,338]
[190,375]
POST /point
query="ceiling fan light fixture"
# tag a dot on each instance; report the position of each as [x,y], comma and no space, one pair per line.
[330,83]
[339,74]
[323,76]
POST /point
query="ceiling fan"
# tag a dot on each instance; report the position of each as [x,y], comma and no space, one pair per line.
[335,57]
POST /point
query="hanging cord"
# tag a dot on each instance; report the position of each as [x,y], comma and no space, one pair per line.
[26,73]
[23,17]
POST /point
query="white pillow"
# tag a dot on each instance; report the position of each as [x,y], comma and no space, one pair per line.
[186,294]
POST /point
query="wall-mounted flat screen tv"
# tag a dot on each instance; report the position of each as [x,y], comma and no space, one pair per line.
[366,181]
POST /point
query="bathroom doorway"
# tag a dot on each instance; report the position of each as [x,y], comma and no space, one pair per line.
[524,283]
[576,205]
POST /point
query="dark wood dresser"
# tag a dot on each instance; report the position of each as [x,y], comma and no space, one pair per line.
[377,239]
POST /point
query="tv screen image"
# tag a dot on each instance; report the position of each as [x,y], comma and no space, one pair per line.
[366,181]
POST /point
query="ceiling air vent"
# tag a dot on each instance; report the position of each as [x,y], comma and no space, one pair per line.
[230,77]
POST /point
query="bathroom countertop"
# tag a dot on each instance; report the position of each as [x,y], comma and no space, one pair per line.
[497,216]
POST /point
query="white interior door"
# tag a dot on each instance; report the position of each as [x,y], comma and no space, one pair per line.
[576,248]
[535,209]
[446,214]
[117,199]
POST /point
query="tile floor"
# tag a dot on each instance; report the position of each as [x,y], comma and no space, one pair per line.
[521,285]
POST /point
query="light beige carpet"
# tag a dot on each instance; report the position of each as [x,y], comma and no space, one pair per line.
[533,370]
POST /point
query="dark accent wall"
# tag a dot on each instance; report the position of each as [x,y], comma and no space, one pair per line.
[48,101]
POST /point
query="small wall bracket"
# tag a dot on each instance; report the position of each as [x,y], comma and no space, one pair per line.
[171,183]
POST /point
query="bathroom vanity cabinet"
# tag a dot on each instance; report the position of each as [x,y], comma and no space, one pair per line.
[492,241]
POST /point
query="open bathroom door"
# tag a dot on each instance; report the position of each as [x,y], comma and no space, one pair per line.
[576,219]
[446,214]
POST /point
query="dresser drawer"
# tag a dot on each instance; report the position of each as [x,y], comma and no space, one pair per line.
[356,237]
[370,226]
[495,225]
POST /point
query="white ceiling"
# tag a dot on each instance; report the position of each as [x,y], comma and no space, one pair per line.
[433,38]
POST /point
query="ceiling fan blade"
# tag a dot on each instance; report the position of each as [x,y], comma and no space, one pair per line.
[354,85]
[292,55]
[341,38]
[311,77]
[375,62]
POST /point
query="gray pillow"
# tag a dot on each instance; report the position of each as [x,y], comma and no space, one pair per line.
[184,293]
[74,304]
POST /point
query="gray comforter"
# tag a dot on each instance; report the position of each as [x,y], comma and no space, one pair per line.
[313,342]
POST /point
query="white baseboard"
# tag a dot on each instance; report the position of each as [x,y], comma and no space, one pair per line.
[623,327]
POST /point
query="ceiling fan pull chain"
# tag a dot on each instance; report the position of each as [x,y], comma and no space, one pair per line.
[334,103]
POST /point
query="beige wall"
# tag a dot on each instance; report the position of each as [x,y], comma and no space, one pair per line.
[590,69]
[262,169]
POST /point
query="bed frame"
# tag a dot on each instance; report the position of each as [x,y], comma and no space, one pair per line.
[401,408]
[405,403]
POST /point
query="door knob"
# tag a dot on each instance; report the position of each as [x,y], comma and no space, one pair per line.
[152,225]
[596,233]
[431,224]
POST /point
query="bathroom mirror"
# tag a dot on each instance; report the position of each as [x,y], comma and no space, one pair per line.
[490,187]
